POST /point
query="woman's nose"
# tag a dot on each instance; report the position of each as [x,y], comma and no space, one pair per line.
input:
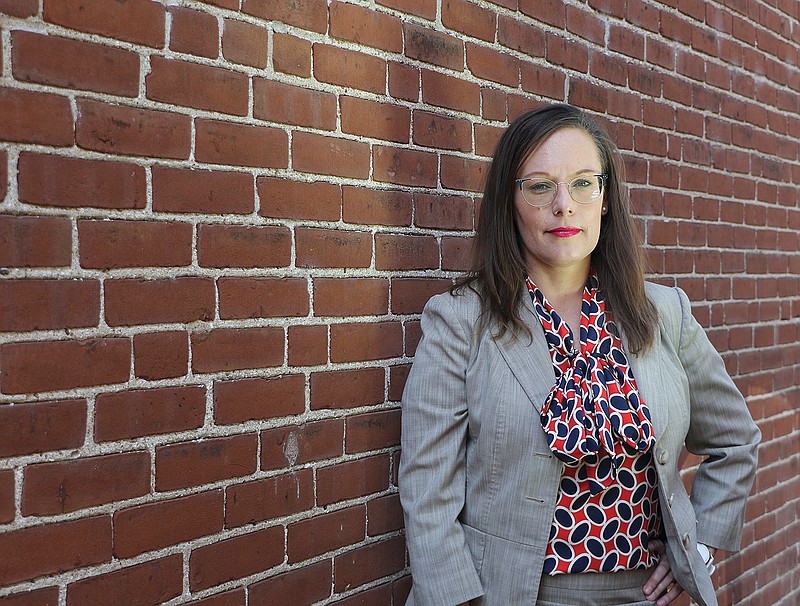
[563,202]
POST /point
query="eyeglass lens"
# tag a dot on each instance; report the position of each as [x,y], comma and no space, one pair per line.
[541,192]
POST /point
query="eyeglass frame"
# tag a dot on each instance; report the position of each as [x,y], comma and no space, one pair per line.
[603,181]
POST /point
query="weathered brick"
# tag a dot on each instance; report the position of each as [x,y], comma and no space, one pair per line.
[306,14]
[234,597]
[186,190]
[137,413]
[242,246]
[488,64]
[269,498]
[404,81]
[33,367]
[35,241]
[223,349]
[234,144]
[133,301]
[372,431]
[161,355]
[49,180]
[384,514]
[463,173]
[204,461]
[296,445]
[351,296]
[48,304]
[55,548]
[258,398]
[368,563]
[409,295]
[291,55]
[366,26]
[65,486]
[404,166]
[312,153]
[304,585]
[326,532]
[19,8]
[193,32]
[349,68]
[434,130]
[469,19]
[66,63]
[34,117]
[376,206]
[377,120]
[236,557]
[38,597]
[433,47]
[450,92]
[358,342]
[352,479]
[400,251]
[245,43]
[347,388]
[307,345]
[137,21]
[153,582]
[8,508]
[163,523]
[332,248]
[262,297]
[443,212]
[287,104]
[286,199]
[34,427]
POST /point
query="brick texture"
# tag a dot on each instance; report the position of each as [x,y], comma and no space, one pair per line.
[220,221]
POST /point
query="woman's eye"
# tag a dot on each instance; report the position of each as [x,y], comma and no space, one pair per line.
[582,183]
[540,187]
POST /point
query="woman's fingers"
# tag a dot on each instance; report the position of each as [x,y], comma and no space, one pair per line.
[661,586]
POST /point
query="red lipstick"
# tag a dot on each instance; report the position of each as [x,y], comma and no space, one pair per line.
[564,232]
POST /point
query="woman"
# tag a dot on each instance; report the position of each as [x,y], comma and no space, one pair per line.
[551,395]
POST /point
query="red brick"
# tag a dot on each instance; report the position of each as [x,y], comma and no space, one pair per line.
[463,173]
[308,345]
[62,62]
[115,244]
[242,246]
[278,102]
[568,53]
[132,414]
[384,514]
[258,398]
[29,428]
[469,19]
[518,35]
[433,130]
[7,500]
[443,212]
[120,129]
[3,173]
[413,336]
[35,241]
[487,137]
[404,81]
[347,388]
[404,166]
[350,69]
[312,153]
[587,94]
[352,479]
[133,302]
[200,86]
[161,355]
[372,431]
[65,486]
[234,597]
[54,365]
[186,190]
[152,583]
[366,27]
[400,251]
[236,144]
[376,120]
[446,91]
[369,563]
[204,461]
[306,14]
[382,594]
[488,64]
[262,297]
[224,349]
[456,253]
[38,597]
[55,548]
[326,532]
[20,8]
[291,55]
[156,525]
[269,498]
[193,32]
[610,69]
[409,295]
[397,380]
[304,585]
[376,206]
[358,342]
[285,199]
[34,117]
[138,21]
[351,297]
[433,47]
[48,180]
[296,445]
[48,304]
[244,43]
[235,558]
[543,81]
[332,248]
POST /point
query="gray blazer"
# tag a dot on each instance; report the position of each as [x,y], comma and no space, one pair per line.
[478,484]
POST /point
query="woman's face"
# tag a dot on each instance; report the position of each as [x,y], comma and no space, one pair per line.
[559,239]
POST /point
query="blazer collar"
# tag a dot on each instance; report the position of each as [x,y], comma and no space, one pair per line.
[529,361]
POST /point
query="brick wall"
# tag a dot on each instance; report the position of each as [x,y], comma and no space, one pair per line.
[220,221]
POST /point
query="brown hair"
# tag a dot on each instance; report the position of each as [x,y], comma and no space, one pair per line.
[498,267]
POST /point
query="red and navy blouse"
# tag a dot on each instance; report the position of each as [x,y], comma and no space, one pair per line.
[598,426]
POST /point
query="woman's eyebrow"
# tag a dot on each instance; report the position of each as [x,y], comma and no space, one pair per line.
[536,173]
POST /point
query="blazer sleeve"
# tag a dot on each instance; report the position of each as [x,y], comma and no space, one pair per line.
[432,476]
[720,429]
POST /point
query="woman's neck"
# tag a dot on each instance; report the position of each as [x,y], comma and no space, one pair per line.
[564,291]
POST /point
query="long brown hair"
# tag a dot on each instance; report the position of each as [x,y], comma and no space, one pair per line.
[498,267]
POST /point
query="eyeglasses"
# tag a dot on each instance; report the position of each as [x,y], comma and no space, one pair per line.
[541,192]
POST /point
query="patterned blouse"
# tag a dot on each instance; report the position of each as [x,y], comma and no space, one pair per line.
[596,423]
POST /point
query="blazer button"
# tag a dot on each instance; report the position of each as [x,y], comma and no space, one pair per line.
[663,457]
[669,500]
[685,542]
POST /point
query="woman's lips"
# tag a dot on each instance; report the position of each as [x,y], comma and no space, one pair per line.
[564,232]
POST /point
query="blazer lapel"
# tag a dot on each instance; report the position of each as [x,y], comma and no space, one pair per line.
[529,359]
[647,371]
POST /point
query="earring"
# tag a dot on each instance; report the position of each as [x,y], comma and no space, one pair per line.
[604,209]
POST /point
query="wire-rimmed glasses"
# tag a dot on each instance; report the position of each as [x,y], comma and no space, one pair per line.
[540,192]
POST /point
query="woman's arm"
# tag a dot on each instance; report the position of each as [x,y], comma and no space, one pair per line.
[432,476]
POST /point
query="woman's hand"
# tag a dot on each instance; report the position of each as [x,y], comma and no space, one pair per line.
[661,587]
